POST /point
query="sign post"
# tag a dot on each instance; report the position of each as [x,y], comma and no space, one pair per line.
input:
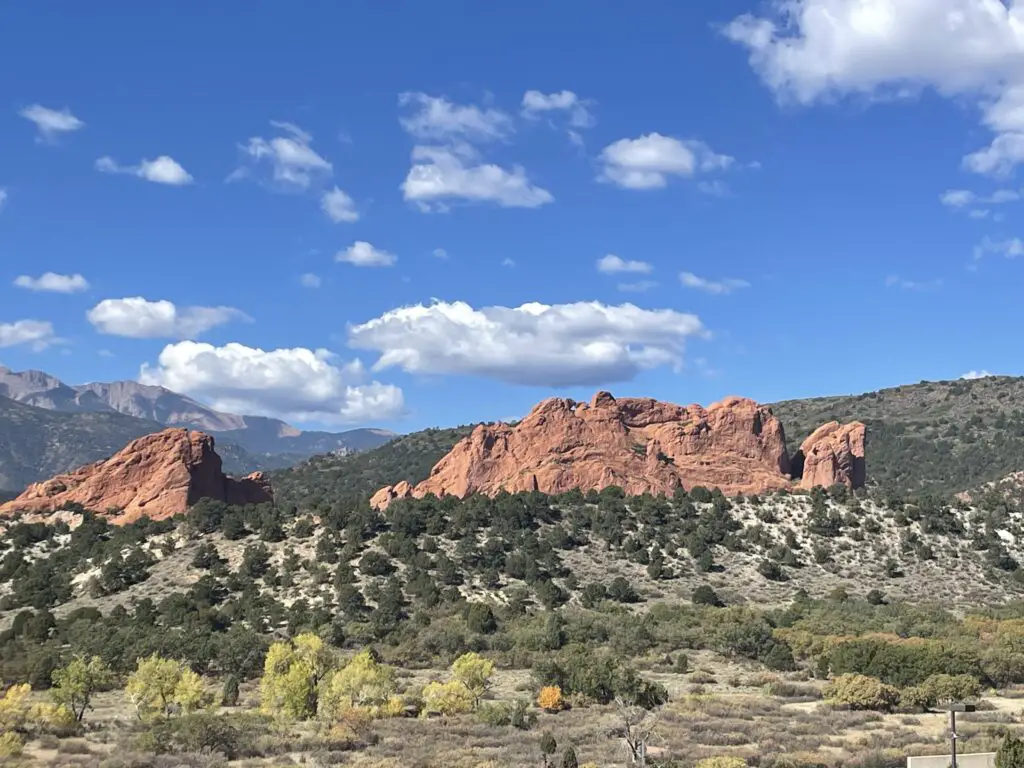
[953,709]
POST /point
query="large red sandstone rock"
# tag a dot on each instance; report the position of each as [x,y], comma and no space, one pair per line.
[834,453]
[156,476]
[639,444]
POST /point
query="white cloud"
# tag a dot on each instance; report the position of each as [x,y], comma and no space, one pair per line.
[309,280]
[442,173]
[895,281]
[362,254]
[301,384]
[979,213]
[811,50]
[638,287]
[294,163]
[1003,196]
[612,264]
[1010,248]
[3,198]
[648,161]
[138,318]
[51,122]
[972,375]
[163,170]
[536,103]
[508,263]
[586,343]
[440,253]
[339,206]
[716,287]
[53,283]
[438,119]
[36,333]
[957,198]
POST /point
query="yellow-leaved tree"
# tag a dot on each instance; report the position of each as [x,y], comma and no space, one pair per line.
[75,684]
[292,674]
[451,698]
[474,672]
[159,686]
[363,682]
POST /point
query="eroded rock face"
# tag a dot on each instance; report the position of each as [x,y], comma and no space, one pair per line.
[156,476]
[639,444]
[834,454]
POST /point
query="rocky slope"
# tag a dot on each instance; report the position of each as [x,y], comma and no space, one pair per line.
[641,445]
[157,476]
[255,434]
[934,437]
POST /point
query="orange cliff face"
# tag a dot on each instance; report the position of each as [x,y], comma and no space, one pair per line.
[639,444]
[156,476]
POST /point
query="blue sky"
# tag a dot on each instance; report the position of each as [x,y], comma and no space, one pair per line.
[795,207]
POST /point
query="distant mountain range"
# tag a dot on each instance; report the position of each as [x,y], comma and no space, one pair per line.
[47,426]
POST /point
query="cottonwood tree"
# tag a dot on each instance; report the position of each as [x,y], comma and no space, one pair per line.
[292,674]
[75,684]
[161,687]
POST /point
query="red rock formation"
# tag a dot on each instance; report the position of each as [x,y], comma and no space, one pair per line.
[834,453]
[639,444]
[158,476]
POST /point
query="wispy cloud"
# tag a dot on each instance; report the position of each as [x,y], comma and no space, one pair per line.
[163,170]
[895,281]
[715,287]
[294,164]
[339,206]
[1010,248]
[638,287]
[51,122]
[309,280]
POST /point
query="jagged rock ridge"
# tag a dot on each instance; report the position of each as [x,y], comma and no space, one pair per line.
[157,476]
[642,445]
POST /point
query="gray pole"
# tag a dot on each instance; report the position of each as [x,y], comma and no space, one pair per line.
[952,735]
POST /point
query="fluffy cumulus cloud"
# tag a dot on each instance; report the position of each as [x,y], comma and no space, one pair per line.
[613,265]
[811,50]
[434,118]
[363,254]
[300,384]
[537,103]
[36,333]
[339,206]
[162,170]
[450,167]
[440,174]
[648,161]
[139,318]
[51,282]
[715,287]
[51,122]
[585,343]
[293,163]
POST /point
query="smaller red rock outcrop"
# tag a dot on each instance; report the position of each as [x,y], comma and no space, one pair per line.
[834,454]
[641,445]
[156,476]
